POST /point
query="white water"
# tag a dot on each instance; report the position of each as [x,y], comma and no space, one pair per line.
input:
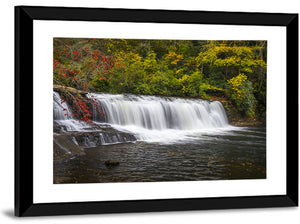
[161,119]
[149,118]
[61,110]
[63,115]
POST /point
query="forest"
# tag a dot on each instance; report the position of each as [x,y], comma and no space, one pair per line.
[208,69]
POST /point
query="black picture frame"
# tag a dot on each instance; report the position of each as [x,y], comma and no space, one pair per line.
[24,17]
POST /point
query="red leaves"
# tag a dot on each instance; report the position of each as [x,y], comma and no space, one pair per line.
[68,57]
[55,63]
[82,110]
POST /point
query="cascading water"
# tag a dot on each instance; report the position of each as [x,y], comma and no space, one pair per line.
[160,113]
[90,135]
[154,118]
[63,116]
[167,139]
[146,118]
[61,110]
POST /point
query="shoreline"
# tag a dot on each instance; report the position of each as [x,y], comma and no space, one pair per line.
[245,123]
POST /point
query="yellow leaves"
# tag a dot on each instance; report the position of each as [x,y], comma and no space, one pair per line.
[150,62]
[242,51]
[179,56]
[190,62]
[129,57]
[134,57]
[236,83]
[179,72]
[175,58]
[185,89]
[174,62]
[199,59]
[171,55]
[210,87]
[241,57]
[184,80]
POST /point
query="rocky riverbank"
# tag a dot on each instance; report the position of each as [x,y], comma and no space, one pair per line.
[67,145]
[248,123]
[235,118]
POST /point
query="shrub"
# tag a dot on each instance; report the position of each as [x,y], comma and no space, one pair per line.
[241,93]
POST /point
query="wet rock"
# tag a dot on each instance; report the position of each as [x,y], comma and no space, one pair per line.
[67,145]
[111,163]
[103,137]
[62,89]
[64,148]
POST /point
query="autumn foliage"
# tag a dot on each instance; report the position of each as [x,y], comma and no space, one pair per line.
[184,68]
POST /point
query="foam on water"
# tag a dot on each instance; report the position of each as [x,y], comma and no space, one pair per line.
[149,118]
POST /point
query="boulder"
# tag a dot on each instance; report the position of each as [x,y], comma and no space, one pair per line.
[64,148]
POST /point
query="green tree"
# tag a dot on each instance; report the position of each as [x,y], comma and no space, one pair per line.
[241,92]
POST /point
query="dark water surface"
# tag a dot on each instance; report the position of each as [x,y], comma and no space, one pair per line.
[235,154]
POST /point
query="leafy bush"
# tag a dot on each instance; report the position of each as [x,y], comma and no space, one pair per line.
[241,92]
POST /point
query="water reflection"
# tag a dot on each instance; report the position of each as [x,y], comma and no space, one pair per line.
[235,154]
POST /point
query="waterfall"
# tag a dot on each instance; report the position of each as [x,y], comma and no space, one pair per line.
[160,113]
[88,135]
[143,118]
[160,119]
[63,116]
[61,110]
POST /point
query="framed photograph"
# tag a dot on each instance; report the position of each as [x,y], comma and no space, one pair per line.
[122,110]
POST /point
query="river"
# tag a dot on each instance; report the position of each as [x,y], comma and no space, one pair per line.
[176,140]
